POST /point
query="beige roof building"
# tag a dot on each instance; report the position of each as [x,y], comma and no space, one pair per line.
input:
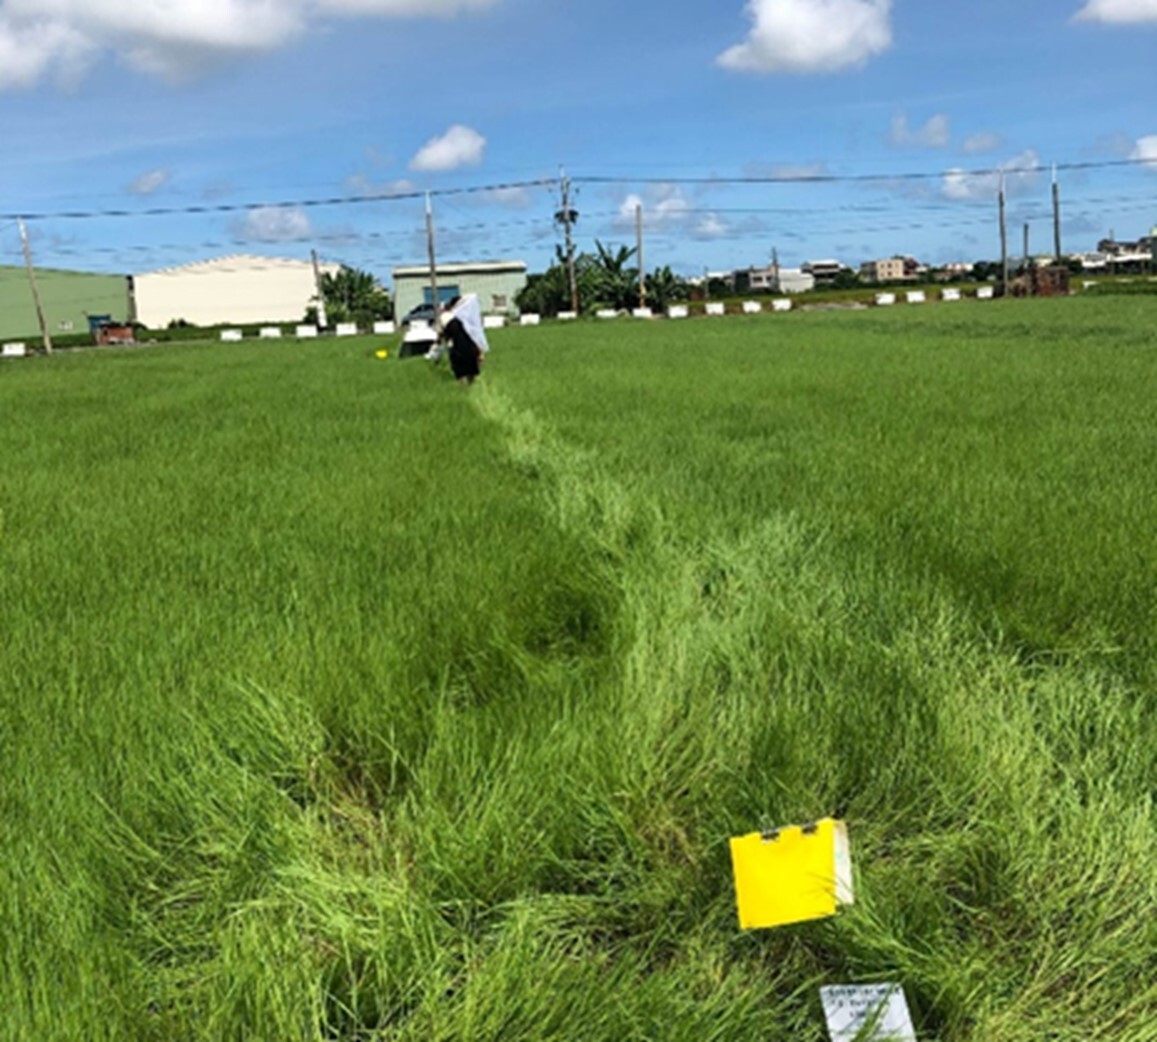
[236,290]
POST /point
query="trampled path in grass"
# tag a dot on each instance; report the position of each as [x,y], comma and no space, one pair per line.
[771,656]
[338,702]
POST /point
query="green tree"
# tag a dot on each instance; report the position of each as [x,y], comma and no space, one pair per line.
[354,296]
[664,288]
[617,286]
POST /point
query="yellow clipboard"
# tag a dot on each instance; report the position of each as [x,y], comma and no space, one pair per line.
[792,875]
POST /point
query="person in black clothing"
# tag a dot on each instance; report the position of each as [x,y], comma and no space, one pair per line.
[465,355]
[465,358]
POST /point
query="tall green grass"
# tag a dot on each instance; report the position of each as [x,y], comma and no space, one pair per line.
[340,702]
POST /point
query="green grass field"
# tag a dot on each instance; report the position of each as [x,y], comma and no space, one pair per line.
[340,702]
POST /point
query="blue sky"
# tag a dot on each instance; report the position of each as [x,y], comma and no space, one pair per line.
[143,104]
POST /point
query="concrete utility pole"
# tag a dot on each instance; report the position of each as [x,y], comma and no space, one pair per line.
[1027,253]
[433,265]
[775,268]
[639,251]
[1056,217]
[1003,240]
[567,215]
[47,338]
[322,320]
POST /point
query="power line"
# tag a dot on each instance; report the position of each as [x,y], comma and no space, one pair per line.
[820,177]
[304,204]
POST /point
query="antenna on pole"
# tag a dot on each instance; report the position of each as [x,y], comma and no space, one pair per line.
[567,216]
[45,336]
[639,251]
[322,319]
[433,265]
[1003,241]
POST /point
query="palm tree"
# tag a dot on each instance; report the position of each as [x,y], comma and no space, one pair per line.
[617,284]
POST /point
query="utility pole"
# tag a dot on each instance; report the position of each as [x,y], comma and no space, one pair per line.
[775,268]
[1056,216]
[433,266]
[322,320]
[35,292]
[1027,254]
[639,251]
[1003,240]
[567,216]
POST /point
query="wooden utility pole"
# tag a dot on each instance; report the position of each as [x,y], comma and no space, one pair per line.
[1056,217]
[322,318]
[45,335]
[639,253]
[1003,240]
[567,216]
[433,265]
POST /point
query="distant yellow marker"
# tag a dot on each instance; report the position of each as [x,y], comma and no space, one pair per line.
[792,875]
[382,354]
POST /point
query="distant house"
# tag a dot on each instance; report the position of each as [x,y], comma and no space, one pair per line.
[68,298]
[892,269]
[823,271]
[240,289]
[497,284]
[773,280]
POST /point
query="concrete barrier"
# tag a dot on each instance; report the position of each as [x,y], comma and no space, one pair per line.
[714,308]
[916,296]
[346,329]
[270,333]
[678,311]
[493,321]
[985,293]
[13,350]
[530,320]
[567,316]
[885,300]
[606,313]
[950,295]
[306,332]
[384,328]
[643,313]
[231,336]
[781,305]
[752,307]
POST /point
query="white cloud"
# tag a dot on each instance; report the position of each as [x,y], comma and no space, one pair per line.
[361,185]
[666,208]
[985,141]
[273,224]
[459,146]
[510,198]
[711,226]
[59,39]
[403,8]
[936,133]
[802,36]
[1118,12]
[29,52]
[1019,173]
[150,182]
[1146,151]
[789,171]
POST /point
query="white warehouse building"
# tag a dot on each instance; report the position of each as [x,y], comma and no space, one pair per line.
[236,290]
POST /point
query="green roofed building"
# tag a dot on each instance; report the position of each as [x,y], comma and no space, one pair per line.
[68,297]
[497,283]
